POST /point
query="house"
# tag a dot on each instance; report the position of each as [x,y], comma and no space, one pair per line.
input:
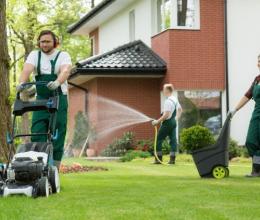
[138,45]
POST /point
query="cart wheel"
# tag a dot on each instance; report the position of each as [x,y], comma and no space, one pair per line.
[219,172]
[44,187]
[227,172]
[54,179]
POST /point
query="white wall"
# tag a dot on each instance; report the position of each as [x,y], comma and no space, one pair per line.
[243,49]
[115,32]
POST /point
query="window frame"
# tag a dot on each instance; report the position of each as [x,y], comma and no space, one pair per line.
[132,27]
[92,45]
[160,27]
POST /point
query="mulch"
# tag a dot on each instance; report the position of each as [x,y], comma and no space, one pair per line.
[78,168]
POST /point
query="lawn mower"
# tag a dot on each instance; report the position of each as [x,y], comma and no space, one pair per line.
[30,171]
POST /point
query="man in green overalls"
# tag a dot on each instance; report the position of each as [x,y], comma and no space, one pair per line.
[171,113]
[52,66]
[253,134]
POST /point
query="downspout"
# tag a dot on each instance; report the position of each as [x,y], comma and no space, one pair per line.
[226,54]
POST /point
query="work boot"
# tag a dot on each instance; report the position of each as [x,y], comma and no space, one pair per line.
[172,160]
[172,157]
[156,161]
[255,171]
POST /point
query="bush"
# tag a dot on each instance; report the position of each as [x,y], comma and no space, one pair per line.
[81,130]
[144,145]
[234,149]
[245,152]
[196,137]
[132,154]
[119,147]
[148,145]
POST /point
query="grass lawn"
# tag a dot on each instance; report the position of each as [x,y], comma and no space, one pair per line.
[139,190]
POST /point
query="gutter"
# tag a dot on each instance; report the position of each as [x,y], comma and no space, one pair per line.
[226,55]
[92,13]
[77,86]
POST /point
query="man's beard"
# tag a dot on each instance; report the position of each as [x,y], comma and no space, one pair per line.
[47,51]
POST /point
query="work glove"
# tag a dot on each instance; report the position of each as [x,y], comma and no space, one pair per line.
[233,112]
[20,87]
[53,85]
[155,122]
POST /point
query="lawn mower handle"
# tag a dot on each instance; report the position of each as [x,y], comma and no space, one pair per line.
[39,83]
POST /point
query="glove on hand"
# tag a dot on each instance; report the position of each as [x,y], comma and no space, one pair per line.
[53,85]
[155,122]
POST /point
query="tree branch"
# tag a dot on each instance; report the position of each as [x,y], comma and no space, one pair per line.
[15,61]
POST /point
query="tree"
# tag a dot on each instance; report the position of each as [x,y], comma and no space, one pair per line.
[82,130]
[5,112]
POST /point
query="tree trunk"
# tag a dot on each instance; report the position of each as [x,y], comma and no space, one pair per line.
[182,14]
[5,110]
[28,47]
[92,3]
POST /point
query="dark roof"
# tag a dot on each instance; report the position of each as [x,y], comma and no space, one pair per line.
[134,58]
[90,15]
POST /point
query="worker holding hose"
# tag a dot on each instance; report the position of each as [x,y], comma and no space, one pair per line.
[171,113]
[253,135]
[52,66]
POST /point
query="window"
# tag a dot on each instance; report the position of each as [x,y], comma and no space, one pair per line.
[132,25]
[163,14]
[92,46]
[178,14]
[200,107]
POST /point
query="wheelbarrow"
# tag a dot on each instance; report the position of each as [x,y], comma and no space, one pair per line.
[212,161]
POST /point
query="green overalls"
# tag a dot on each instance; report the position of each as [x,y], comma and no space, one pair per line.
[167,129]
[40,119]
[253,135]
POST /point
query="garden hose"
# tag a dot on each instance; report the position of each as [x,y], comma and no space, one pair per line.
[155,146]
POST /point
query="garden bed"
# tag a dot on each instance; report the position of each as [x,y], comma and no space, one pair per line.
[78,168]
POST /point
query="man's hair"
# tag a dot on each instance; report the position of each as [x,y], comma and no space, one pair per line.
[169,87]
[48,32]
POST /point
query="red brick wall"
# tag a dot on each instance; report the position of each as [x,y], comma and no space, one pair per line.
[195,58]
[140,94]
[76,104]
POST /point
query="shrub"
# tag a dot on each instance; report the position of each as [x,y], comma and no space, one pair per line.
[196,137]
[132,154]
[148,145]
[166,146]
[234,149]
[81,130]
[245,152]
[144,145]
[119,146]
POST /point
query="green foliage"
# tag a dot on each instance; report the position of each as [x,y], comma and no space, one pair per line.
[144,145]
[234,149]
[82,130]
[166,146]
[133,154]
[245,152]
[195,137]
[120,146]
[148,145]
